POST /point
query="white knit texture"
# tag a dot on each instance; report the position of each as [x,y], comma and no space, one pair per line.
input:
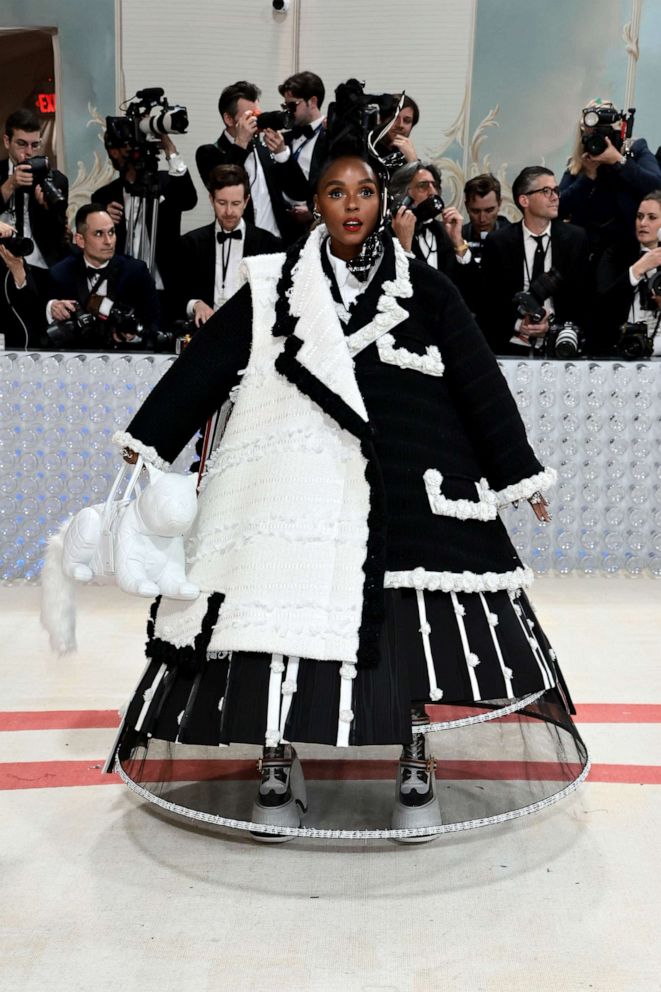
[282,527]
[526,487]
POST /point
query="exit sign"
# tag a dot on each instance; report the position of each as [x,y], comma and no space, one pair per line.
[46,103]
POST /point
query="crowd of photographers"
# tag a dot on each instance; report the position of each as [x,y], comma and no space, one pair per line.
[579,273]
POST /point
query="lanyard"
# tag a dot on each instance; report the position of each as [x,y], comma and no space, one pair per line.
[525,257]
[306,141]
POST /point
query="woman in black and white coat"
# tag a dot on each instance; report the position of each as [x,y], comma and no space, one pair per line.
[352,562]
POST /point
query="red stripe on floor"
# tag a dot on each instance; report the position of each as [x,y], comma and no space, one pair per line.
[101,719]
[59,720]
[65,774]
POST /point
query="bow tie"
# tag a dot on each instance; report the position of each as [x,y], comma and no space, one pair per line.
[302,131]
[224,235]
[93,273]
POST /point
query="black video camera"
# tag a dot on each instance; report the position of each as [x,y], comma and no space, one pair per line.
[603,122]
[20,247]
[354,112]
[42,175]
[635,341]
[148,116]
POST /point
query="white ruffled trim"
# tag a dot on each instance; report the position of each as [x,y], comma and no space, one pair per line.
[125,440]
[526,487]
[486,507]
[420,578]
[430,363]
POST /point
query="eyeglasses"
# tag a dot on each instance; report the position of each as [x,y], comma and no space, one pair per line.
[548,191]
[28,144]
[291,105]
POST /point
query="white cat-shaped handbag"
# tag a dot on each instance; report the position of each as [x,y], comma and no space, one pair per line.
[136,543]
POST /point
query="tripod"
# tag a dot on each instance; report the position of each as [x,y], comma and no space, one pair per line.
[142,214]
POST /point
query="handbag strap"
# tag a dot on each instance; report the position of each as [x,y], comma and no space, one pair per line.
[111,499]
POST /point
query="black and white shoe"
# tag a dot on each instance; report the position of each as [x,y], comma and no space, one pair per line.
[416,804]
[281,798]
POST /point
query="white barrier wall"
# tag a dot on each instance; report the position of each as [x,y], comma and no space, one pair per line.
[598,423]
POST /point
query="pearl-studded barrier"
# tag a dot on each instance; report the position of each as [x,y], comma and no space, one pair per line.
[597,423]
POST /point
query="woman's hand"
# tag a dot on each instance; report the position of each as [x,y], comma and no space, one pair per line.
[647,261]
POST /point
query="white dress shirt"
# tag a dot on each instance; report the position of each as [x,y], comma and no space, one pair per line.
[225,287]
[636,312]
[529,249]
[259,191]
[350,288]
[302,148]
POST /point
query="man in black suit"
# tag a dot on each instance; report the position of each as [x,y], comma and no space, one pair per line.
[517,255]
[300,152]
[103,284]
[176,193]
[439,243]
[482,199]
[210,256]
[239,144]
[23,205]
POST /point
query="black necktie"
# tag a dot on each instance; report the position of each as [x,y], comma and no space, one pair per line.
[94,274]
[538,258]
[302,131]
[224,235]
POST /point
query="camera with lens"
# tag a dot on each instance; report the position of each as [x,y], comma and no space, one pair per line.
[563,341]
[123,319]
[19,247]
[531,303]
[647,290]
[355,112]
[175,340]
[42,175]
[423,211]
[603,122]
[635,341]
[62,333]
[148,116]
[276,120]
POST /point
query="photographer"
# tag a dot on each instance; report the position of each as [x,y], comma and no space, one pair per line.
[482,199]
[33,197]
[607,176]
[210,256]
[19,319]
[515,257]
[415,191]
[239,144]
[395,149]
[176,193]
[114,293]
[300,151]
[628,295]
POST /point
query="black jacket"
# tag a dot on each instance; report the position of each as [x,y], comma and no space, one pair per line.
[502,274]
[615,294]
[289,176]
[606,207]
[48,224]
[129,283]
[178,194]
[223,152]
[197,260]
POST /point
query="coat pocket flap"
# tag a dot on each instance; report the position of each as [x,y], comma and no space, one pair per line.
[464,499]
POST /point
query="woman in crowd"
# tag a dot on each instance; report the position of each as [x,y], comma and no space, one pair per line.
[625,284]
[352,563]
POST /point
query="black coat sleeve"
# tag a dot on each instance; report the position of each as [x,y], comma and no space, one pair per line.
[484,401]
[198,382]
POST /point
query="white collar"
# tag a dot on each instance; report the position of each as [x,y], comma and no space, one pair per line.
[91,265]
[527,233]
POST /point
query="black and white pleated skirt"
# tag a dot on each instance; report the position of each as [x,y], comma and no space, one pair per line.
[480,662]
